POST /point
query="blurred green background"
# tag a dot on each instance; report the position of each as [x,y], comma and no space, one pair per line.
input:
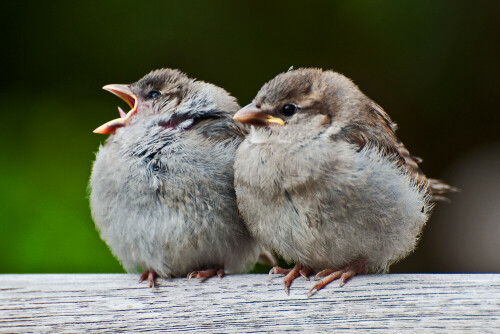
[434,66]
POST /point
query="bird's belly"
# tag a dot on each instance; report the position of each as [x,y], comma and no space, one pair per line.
[172,225]
[174,240]
[337,206]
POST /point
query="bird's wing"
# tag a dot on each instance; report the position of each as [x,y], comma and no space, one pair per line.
[379,131]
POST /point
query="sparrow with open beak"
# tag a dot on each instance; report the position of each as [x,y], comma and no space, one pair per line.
[162,191]
[323,180]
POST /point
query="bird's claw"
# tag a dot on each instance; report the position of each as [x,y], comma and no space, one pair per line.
[150,277]
[290,274]
[304,273]
[323,273]
[205,274]
[311,292]
[329,275]
[279,271]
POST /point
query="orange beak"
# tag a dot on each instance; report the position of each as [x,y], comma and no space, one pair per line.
[253,115]
[125,93]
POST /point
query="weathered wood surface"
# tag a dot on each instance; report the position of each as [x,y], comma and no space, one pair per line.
[250,303]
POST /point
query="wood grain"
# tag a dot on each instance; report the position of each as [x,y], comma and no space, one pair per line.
[111,303]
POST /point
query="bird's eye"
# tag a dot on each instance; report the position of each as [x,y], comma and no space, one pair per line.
[153,94]
[289,109]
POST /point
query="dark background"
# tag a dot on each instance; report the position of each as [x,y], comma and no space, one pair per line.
[434,66]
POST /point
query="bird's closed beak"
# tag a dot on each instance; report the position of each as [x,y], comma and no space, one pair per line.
[251,114]
[125,93]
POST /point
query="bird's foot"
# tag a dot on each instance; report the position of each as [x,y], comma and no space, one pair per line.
[150,276]
[205,274]
[357,267]
[291,274]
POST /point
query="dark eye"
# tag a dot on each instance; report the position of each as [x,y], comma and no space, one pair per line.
[153,94]
[289,109]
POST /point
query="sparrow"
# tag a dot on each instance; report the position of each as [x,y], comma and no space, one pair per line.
[323,180]
[161,189]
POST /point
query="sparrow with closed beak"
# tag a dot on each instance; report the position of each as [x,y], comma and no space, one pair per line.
[323,180]
[162,191]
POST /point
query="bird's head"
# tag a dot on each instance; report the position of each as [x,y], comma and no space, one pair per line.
[180,100]
[299,96]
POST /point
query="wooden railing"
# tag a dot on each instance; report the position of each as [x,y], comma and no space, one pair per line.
[415,303]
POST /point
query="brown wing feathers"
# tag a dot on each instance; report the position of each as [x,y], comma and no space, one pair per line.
[381,133]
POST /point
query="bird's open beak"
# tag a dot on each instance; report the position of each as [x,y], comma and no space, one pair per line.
[125,93]
[251,114]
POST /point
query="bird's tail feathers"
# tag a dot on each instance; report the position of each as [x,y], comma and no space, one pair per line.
[438,189]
